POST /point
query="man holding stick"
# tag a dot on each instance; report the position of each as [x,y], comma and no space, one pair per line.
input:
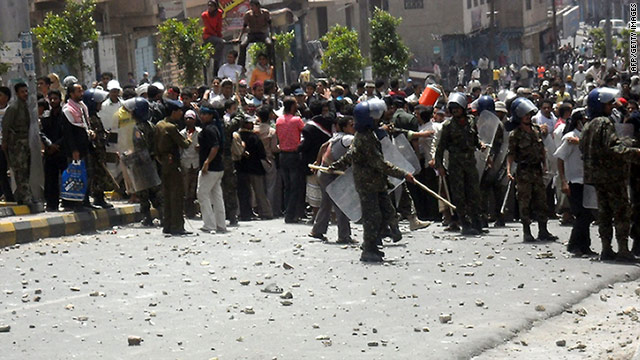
[370,172]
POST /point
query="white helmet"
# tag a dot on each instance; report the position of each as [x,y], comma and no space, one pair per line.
[113,84]
[459,99]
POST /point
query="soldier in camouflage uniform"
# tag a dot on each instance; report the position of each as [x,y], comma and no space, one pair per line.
[606,167]
[101,180]
[370,172]
[635,188]
[144,132]
[15,142]
[229,180]
[527,150]
[460,137]
[408,124]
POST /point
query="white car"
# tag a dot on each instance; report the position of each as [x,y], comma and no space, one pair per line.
[617,25]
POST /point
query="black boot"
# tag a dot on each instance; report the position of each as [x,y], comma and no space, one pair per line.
[526,229]
[469,230]
[99,200]
[396,235]
[478,224]
[635,250]
[607,253]
[544,234]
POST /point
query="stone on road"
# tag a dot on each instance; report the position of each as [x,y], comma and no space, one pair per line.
[289,297]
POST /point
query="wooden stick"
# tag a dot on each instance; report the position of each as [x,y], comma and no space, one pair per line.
[325,169]
[506,196]
[446,190]
[434,194]
[419,184]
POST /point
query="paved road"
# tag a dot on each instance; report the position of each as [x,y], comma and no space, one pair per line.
[187,298]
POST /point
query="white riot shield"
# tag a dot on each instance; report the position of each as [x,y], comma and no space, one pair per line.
[343,189]
[552,164]
[624,130]
[394,156]
[343,192]
[589,197]
[141,170]
[405,148]
[487,125]
[500,157]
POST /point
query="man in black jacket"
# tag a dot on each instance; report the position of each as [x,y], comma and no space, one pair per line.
[251,173]
[315,132]
[55,160]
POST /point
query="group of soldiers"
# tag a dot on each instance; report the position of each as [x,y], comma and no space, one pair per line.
[606,159]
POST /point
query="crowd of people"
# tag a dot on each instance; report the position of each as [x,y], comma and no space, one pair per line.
[517,143]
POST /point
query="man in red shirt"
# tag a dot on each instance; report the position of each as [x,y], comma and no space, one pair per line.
[212,19]
[288,130]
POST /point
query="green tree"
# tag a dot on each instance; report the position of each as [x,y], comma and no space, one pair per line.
[389,54]
[342,58]
[3,67]
[63,37]
[282,47]
[182,42]
[599,43]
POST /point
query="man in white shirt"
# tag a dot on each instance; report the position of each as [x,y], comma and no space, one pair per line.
[545,117]
[571,169]
[230,70]
[369,89]
[595,70]
[190,161]
[226,93]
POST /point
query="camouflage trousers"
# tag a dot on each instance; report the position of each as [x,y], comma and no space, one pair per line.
[19,156]
[152,196]
[464,190]
[190,186]
[230,188]
[406,206]
[377,214]
[613,210]
[635,202]
[531,194]
[101,180]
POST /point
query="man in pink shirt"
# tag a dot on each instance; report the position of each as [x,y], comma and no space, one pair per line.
[288,130]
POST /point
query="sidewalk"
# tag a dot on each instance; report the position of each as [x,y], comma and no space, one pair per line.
[18,226]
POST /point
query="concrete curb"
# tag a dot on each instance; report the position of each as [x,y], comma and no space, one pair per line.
[29,230]
[14,210]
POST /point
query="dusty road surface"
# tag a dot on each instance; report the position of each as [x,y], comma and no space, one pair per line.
[438,296]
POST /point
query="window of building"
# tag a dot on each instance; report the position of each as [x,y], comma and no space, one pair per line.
[382,4]
[475,2]
[481,2]
[468,4]
[348,13]
[323,20]
[528,4]
[413,4]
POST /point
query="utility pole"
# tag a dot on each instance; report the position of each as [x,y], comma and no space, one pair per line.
[15,30]
[492,47]
[363,10]
[555,30]
[607,34]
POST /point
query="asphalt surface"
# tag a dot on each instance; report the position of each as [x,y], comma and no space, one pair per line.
[438,296]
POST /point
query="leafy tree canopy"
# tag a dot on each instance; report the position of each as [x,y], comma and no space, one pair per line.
[389,54]
[62,37]
[182,42]
[342,58]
